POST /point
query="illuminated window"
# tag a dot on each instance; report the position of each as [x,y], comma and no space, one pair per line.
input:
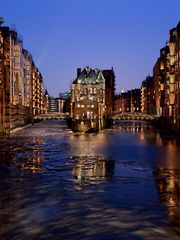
[91,97]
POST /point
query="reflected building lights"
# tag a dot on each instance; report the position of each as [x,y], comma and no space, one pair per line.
[92,169]
[32,156]
[87,144]
[169,188]
[89,168]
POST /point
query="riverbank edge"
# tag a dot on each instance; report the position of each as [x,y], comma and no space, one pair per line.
[8,132]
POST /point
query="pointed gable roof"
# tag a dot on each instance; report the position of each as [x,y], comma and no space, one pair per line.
[89,76]
[100,76]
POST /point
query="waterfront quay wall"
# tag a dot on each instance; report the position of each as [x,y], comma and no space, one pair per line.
[16,116]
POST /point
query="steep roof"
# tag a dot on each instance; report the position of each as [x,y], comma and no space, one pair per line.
[89,76]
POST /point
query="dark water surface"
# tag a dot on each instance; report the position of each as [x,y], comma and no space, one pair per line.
[123,183]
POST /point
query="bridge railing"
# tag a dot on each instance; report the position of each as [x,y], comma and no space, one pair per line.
[133,116]
[48,116]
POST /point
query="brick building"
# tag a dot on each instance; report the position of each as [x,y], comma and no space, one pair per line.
[177,76]
[109,76]
[123,102]
[148,96]
[129,101]
[88,106]
[37,92]
[166,78]
[21,84]
[158,87]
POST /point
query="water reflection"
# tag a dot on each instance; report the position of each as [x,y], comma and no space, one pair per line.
[88,144]
[91,169]
[121,173]
[168,182]
[91,164]
[165,162]
[27,158]
[88,167]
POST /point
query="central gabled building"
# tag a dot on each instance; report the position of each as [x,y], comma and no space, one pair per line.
[88,107]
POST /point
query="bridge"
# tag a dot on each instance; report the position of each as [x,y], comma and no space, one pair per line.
[51,116]
[117,116]
[133,116]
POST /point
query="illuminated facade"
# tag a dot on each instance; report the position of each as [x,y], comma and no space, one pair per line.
[129,101]
[27,68]
[166,81]
[88,107]
[148,96]
[158,88]
[123,102]
[177,77]
[37,92]
[2,83]
[21,84]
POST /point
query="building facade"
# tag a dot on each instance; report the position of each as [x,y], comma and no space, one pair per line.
[53,105]
[87,105]
[136,100]
[64,102]
[148,96]
[129,101]
[177,77]
[46,102]
[56,104]
[109,76]
[166,78]
[123,102]
[21,84]
[158,87]
[37,92]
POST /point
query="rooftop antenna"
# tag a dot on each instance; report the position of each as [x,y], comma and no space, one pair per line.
[1,21]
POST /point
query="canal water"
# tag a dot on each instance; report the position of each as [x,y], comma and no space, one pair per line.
[122,183]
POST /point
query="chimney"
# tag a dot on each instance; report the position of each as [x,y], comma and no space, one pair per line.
[78,71]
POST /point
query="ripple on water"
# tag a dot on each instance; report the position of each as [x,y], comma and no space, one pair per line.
[60,185]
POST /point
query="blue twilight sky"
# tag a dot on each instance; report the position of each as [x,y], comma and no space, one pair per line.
[65,34]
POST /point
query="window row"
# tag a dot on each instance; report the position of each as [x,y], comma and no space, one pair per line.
[86,91]
[83,106]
